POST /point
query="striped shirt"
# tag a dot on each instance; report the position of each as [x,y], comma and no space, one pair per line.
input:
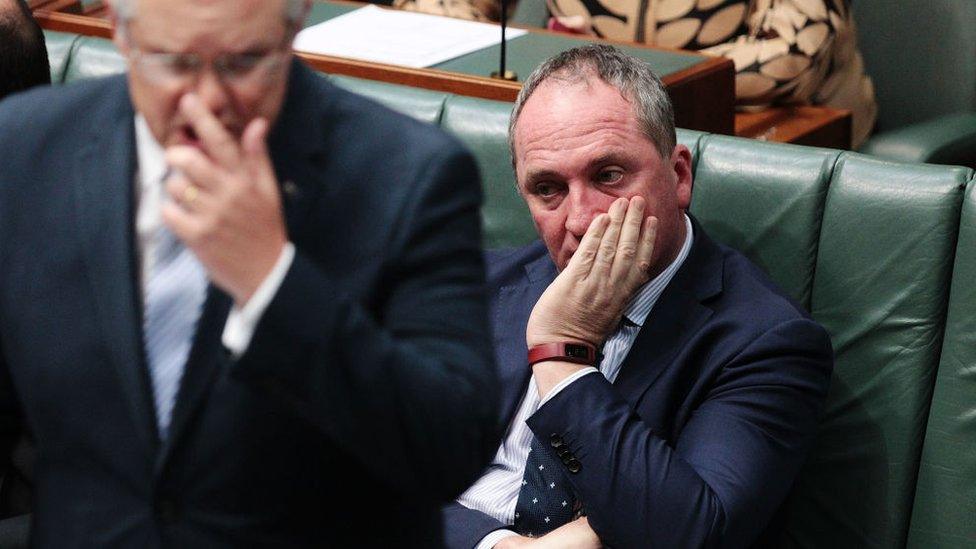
[496,492]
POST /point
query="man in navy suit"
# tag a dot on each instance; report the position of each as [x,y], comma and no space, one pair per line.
[223,292]
[658,390]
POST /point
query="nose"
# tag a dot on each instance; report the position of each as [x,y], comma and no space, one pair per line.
[582,205]
[212,90]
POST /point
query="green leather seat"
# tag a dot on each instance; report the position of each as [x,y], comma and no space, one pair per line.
[944,511]
[424,105]
[59,46]
[483,126]
[880,288]
[93,57]
[767,201]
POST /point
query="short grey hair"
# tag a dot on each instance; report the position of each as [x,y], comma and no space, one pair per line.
[294,10]
[632,77]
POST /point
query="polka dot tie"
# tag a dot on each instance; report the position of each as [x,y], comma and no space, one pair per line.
[546,499]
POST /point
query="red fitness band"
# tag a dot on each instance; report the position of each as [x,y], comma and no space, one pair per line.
[577,353]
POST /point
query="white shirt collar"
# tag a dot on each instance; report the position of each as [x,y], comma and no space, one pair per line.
[149,153]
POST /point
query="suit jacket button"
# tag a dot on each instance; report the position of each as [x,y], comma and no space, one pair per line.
[567,457]
[563,452]
[555,440]
[574,466]
[167,511]
[290,189]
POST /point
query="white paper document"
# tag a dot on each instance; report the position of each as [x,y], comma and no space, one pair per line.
[399,37]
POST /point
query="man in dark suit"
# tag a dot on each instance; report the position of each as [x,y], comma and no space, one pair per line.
[658,390]
[238,306]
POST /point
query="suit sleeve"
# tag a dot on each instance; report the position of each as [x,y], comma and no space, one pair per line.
[408,389]
[464,528]
[721,479]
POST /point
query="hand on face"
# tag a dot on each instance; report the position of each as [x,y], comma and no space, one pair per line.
[585,302]
[225,205]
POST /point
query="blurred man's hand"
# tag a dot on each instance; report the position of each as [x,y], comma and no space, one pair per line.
[226,206]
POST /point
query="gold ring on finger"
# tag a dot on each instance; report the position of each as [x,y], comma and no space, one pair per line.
[190,194]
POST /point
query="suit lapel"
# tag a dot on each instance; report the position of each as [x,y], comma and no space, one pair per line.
[295,148]
[512,310]
[103,188]
[677,316]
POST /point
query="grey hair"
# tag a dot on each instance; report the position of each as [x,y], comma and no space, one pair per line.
[632,77]
[294,10]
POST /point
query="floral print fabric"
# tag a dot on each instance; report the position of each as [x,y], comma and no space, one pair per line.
[784,51]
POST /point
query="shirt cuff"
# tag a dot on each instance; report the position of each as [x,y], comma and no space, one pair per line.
[565,383]
[491,539]
[241,322]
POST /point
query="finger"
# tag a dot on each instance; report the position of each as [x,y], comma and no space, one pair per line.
[645,250]
[182,223]
[183,193]
[216,141]
[608,244]
[194,165]
[256,157]
[629,239]
[585,255]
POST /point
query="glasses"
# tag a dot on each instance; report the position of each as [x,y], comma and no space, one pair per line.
[232,68]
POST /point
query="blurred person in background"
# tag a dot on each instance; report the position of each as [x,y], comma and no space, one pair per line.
[23,55]
[785,51]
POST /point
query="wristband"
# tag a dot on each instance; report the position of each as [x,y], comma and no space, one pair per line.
[577,353]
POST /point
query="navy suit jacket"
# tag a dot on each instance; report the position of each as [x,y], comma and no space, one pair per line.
[367,396]
[699,439]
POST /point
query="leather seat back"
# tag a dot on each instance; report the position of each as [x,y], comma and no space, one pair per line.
[881,289]
[944,511]
[765,200]
[59,45]
[92,57]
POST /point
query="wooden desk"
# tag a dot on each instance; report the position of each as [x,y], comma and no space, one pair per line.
[802,125]
[701,87]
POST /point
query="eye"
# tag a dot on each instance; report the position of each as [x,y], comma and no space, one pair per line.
[545,189]
[240,64]
[180,64]
[609,176]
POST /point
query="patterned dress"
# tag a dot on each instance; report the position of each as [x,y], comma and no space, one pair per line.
[785,51]
[475,10]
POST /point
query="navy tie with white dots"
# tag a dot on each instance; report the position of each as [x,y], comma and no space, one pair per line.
[546,500]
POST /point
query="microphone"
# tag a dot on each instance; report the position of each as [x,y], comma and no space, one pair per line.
[501,73]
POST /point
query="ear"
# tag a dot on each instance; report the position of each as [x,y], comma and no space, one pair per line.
[681,165]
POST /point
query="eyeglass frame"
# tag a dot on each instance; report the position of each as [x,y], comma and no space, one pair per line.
[264,63]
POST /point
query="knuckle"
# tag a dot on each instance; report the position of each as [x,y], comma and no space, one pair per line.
[587,255]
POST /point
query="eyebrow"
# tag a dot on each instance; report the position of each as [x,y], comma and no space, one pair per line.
[536,175]
[609,158]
